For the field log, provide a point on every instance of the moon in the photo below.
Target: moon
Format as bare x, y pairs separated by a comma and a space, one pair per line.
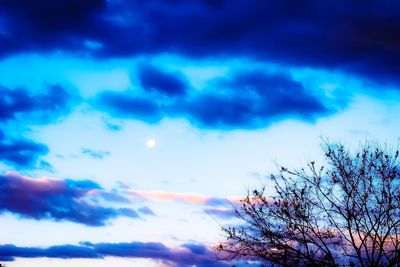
151, 143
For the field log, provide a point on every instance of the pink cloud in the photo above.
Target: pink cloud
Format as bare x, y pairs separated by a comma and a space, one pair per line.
58, 200
187, 198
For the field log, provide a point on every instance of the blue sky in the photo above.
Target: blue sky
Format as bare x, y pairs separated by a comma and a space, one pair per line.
224, 88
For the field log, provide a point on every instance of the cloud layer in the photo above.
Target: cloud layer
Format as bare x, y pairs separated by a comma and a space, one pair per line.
248, 99
186, 255
347, 36
329, 36
59, 200
86, 202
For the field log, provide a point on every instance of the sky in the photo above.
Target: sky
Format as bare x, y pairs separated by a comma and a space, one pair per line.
130, 129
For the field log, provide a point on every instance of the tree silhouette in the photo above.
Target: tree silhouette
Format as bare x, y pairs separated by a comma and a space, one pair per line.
345, 214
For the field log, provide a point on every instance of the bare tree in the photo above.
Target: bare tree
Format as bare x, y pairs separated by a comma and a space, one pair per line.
345, 214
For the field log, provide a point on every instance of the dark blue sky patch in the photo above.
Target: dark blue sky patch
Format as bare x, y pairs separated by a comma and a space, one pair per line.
156, 80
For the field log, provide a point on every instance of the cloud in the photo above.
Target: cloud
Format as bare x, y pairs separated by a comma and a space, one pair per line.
187, 198
253, 99
186, 255
38, 108
48, 15
154, 79
22, 152
47, 25
86, 202
127, 105
112, 125
58, 200
96, 154
329, 35
21, 108
146, 211
248, 99
221, 213
10, 252
219, 207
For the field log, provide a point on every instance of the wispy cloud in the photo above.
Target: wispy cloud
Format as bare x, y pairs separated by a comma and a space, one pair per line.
96, 154
221, 213
187, 198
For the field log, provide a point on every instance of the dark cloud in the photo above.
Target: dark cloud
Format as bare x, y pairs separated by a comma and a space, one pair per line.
58, 200
10, 252
22, 153
246, 100
23, 108
39, 108
128, 105
360, 39
47, 25
186, 255
96, 154
153, 79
